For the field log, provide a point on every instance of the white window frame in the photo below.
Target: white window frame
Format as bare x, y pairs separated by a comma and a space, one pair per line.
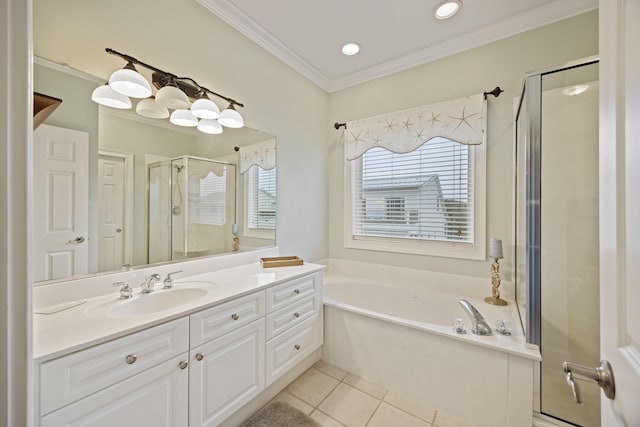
462, 250
252, 232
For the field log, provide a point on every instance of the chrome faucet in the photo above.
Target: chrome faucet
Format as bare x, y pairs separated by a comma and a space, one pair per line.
479, 325
168, 282
149, 281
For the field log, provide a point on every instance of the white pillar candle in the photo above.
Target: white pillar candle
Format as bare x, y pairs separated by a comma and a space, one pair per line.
495, 248
234, 229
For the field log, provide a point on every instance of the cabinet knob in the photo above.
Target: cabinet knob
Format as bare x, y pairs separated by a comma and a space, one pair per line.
297, 346
296, 314
131, 359
235, 316
297, 291
199, 356
183, 364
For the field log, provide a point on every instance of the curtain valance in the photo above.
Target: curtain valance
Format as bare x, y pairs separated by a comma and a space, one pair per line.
262, 154
460, 120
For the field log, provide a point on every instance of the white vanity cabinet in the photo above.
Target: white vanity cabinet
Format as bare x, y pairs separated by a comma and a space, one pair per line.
194, 371
228, 371
121, 382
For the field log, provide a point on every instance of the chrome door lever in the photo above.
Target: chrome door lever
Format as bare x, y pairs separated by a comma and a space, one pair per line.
601, 375
76, 241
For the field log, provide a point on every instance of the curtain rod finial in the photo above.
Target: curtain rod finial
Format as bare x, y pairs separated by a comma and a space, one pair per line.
339, 125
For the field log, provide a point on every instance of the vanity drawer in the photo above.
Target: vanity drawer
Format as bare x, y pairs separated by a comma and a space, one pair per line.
286, 350
295, 290
292, 315
77, 375
217, 321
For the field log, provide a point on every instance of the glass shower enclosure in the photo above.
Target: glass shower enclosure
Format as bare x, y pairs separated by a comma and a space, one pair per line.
191, 208
556, 230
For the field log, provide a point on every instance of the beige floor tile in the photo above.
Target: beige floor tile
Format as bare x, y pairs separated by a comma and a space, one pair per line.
446, 420
330, 370
325, 420
415, 407
312, 386
387, 415
349, 405
289, 398
368, 387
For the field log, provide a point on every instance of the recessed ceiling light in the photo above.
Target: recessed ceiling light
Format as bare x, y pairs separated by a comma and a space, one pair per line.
350, 49
447, 9
575, 90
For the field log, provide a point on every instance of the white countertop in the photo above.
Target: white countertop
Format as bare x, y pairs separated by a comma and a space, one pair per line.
76, 328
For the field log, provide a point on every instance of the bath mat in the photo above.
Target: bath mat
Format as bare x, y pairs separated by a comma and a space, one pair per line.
280, 414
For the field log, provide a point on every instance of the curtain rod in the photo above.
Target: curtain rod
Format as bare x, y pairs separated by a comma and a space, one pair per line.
495, 92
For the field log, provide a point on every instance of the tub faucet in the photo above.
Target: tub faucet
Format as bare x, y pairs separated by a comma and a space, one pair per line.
479, 325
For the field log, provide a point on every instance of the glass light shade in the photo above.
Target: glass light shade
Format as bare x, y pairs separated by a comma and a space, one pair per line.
205, 108
350, 49
148, 107
105, 95
130, 83
447, 9
231, 118
172, 97
184, 118
210, 126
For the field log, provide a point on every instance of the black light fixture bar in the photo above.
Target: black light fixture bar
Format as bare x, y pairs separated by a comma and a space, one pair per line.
135, 61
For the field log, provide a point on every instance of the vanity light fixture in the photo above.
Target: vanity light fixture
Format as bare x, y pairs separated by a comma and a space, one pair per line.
350, 49
447, 9
174, 93
105, 95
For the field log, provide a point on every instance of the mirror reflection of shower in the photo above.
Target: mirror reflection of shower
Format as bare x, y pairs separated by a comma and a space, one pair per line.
191, 208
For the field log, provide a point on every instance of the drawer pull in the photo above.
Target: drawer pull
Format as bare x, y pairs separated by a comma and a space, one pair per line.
296, 314
131, 359
297, 346
199, 356
183, 364
297, 291
235, 316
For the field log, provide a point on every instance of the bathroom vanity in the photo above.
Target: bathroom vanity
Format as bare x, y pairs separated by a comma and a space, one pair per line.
235, 332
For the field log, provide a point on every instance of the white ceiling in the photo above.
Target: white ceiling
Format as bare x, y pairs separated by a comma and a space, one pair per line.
393, 36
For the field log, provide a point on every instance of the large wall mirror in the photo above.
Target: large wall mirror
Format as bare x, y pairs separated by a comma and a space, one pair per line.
113, 189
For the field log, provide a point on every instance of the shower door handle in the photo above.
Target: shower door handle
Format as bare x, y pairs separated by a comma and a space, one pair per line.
601, 375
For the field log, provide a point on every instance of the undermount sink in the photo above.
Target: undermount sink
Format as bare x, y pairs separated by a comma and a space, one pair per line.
154, 302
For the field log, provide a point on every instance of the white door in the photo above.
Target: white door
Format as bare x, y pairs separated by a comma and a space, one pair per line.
620, 206
60, 202
112, 209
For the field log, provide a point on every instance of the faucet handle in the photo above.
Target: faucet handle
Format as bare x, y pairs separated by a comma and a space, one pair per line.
168, 281
126, 291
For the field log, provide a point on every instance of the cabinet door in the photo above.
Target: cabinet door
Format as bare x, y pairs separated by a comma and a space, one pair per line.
155, 398
226, 373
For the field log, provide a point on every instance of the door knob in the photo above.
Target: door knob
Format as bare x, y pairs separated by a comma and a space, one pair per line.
76, 241
601, 375
118, 230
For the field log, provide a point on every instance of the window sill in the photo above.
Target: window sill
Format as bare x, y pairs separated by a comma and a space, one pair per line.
418, 247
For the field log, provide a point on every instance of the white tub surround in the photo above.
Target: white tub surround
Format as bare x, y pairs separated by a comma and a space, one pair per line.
202, 361
398, 334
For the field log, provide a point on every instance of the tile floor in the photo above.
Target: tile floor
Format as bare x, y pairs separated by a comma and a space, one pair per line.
336, 398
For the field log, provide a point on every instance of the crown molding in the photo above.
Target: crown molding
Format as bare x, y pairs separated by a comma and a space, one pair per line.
535, 18
64, 68
233, 16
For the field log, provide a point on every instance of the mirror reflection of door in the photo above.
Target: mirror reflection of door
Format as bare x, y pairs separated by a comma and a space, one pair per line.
114, 208
60, 202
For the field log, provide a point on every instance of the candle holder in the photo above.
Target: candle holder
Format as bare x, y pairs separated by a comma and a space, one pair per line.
495, 284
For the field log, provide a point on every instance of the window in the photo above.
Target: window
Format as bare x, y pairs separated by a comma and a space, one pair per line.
427, 201
207, 199
261, 200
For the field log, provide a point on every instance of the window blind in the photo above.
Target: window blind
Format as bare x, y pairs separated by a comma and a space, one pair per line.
208, 199
261, 198
424, 194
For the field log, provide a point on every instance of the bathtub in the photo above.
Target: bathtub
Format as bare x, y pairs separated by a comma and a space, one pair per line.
400, 336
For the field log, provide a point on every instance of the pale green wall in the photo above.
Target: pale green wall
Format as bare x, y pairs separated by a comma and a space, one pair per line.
500, 63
